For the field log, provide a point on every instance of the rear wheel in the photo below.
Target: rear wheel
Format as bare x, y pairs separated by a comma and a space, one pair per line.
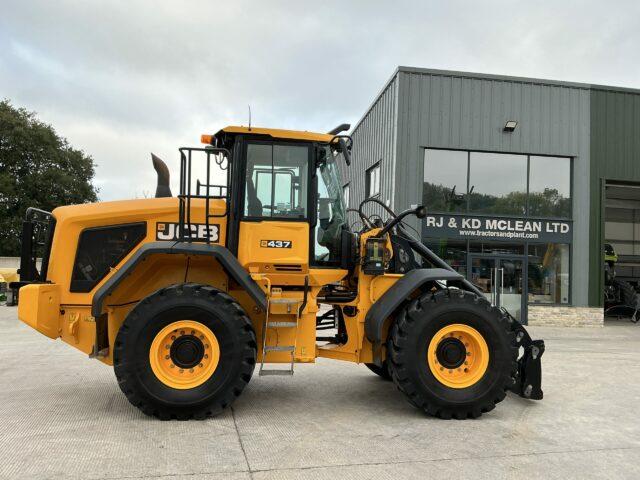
452, 354
186, 351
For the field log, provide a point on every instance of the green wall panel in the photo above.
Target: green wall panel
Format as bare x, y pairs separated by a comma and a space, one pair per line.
615, 155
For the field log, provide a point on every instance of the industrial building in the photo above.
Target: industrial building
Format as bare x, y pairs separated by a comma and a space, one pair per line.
525, 181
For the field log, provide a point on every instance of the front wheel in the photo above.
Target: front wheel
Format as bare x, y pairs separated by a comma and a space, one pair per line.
452, 354
383, 371
186, 351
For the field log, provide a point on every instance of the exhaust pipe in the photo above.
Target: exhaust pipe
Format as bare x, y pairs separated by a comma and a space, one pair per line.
163, 189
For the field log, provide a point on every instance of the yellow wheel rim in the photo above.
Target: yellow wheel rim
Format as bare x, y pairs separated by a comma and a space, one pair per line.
184, 354
458, 356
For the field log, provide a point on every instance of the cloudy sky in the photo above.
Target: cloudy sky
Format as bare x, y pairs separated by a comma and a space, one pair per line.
120, 79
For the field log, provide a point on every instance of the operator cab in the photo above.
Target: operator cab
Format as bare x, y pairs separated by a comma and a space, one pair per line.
286, 196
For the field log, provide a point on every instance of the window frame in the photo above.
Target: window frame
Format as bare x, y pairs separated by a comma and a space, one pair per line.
367, 178
310, 195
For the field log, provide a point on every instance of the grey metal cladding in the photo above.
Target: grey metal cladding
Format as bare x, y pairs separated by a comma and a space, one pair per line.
445, 110
420, 108
456, 110
374, 140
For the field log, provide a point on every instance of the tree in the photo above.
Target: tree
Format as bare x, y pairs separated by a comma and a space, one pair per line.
38, 168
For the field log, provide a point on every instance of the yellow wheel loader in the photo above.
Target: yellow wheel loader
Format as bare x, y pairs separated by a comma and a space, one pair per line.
187, 295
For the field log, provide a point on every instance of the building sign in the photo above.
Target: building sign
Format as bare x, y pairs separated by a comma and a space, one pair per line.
497, 228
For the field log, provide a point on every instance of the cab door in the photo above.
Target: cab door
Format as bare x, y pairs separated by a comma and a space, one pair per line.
274, 223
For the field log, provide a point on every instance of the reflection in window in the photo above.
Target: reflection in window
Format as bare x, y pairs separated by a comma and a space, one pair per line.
498, 183
550, 187
549, 273
331, 211
276, 181
454, 252
445, 180
494, 247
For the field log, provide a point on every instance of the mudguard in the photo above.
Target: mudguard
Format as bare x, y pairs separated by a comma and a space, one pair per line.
230, 264
394, 297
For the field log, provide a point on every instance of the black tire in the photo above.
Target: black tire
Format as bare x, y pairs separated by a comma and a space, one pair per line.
382, 372
409, 338
627, 293
217, 311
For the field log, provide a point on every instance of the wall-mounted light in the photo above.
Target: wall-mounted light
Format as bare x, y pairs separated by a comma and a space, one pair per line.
510, 126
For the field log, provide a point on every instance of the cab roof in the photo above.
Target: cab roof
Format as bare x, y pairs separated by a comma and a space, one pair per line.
274, 133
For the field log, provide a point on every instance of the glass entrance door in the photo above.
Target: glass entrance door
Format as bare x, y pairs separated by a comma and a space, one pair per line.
501, 280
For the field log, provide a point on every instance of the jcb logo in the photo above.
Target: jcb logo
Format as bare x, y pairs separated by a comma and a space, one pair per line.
195, 231
275, 243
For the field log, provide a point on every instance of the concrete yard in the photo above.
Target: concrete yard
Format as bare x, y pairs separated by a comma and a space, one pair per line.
63, 416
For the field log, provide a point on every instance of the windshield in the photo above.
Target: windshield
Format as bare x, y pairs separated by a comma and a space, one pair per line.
331, 210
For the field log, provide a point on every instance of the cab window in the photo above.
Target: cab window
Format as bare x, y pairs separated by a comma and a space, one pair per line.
331, 211
276, 181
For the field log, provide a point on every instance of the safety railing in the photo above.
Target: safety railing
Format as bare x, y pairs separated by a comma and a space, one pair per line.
216, 160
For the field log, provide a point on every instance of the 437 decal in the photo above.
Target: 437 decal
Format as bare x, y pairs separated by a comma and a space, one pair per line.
275, 243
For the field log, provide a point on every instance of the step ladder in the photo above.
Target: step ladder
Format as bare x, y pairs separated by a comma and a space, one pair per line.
293, 306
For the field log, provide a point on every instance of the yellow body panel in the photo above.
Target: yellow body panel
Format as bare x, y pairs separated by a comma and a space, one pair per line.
255, 254
57, 312
39, 307
278, 133
370, 289
71, 220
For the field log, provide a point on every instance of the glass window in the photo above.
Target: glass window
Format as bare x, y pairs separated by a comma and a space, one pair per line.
331, 211
445, 180
276, 181
549, 273
454, 252
373, 181
100, 249
345, 195
498, 183
550, 187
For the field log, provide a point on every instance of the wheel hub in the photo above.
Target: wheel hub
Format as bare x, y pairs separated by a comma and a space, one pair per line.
458, 356
451, 352
187, 351
184, 354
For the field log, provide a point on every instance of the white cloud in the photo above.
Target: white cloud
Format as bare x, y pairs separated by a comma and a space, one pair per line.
122, 78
